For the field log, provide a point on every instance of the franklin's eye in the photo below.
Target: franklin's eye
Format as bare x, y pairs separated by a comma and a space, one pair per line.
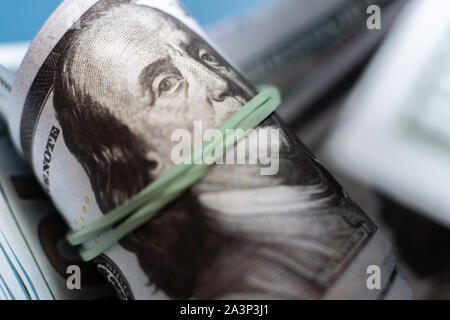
209, 58
167, 85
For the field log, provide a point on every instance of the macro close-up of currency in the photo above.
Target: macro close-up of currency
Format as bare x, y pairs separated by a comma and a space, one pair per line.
224, 150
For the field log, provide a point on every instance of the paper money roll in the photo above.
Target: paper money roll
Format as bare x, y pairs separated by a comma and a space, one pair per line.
94, 109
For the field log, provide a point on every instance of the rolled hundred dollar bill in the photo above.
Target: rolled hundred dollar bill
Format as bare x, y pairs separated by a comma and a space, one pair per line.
94, 109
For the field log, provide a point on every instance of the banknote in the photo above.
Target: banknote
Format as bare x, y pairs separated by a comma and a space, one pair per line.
93, 108
6, 83
317, 44
400, 109
11, 54
33, 252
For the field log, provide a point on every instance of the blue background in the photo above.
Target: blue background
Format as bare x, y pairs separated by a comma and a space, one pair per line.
20, 20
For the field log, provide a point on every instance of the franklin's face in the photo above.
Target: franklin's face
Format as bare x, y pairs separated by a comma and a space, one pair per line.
155, 75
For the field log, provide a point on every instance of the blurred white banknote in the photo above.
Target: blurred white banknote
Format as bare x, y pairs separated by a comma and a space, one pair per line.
394, 132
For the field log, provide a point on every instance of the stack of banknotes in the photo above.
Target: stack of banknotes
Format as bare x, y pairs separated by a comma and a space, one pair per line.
92, 111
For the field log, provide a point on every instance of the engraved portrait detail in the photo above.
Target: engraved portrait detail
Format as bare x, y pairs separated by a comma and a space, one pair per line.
123, 83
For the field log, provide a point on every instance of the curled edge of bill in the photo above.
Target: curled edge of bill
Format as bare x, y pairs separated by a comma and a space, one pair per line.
352, 284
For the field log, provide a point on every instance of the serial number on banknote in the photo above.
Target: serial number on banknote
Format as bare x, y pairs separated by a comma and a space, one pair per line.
226, 310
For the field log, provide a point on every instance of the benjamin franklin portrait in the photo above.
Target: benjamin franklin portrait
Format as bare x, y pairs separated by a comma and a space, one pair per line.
125, 81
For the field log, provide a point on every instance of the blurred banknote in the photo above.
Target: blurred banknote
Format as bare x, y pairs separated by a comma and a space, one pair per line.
11, 54
394, 132
303, 47
93, 108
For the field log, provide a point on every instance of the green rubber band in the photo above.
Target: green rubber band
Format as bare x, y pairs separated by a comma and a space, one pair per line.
149, 201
